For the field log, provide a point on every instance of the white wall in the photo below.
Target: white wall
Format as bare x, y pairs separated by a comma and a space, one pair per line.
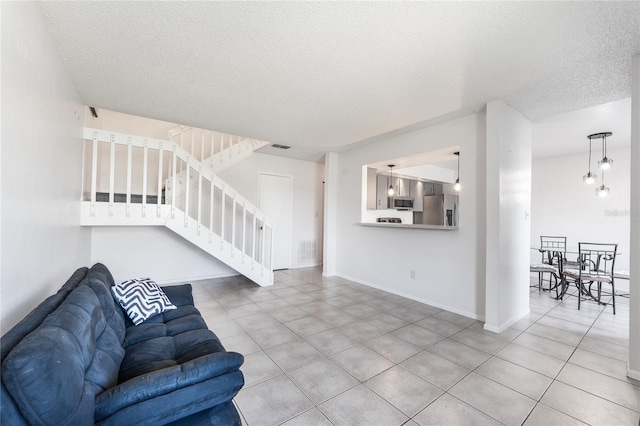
508, 195
42, 243
307, 195
448, 265
562, 205
155, 252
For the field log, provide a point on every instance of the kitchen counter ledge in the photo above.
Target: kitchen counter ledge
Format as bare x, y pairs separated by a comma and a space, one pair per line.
409, 226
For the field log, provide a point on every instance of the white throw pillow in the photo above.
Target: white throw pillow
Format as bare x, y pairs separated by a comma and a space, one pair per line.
141, 298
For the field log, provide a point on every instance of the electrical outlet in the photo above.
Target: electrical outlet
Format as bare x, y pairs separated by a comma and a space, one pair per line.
412, 274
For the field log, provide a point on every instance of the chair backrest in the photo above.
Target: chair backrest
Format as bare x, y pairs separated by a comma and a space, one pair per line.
597, 258
550, 245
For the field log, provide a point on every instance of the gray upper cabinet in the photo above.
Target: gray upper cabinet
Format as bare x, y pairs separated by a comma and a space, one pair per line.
417, 193
431, 188
382, 199
402, 187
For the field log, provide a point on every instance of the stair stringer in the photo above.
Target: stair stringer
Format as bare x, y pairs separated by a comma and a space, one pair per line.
218, 248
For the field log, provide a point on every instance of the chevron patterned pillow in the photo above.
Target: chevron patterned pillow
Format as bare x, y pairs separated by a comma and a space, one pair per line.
141, 298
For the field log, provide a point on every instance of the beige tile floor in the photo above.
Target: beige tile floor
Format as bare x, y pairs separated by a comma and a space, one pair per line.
327, 351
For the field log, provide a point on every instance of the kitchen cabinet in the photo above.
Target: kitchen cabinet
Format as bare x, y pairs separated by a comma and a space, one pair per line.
382, 199
372, 188
417, 193
431, 188
402, 186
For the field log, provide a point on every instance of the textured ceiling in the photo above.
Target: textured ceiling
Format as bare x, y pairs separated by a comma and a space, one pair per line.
329, 74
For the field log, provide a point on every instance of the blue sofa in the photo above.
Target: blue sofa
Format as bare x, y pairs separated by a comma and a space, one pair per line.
78, 359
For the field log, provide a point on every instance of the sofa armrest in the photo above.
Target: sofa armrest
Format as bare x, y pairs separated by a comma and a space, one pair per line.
164, 381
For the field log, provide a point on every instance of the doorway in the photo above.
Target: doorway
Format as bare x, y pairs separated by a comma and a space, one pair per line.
275, 201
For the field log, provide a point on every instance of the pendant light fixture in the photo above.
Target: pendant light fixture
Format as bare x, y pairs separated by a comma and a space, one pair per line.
606, 163
602, 191
589, 178
456, 186
391, 192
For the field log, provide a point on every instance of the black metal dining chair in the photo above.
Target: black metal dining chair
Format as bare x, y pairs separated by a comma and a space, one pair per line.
596, 263
550, 248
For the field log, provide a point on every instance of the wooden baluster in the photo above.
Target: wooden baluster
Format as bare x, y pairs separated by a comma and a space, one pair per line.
211, 189
253, 239
112, 171
186, 192
243, 233
173, 183
94, 173
233, 224
160, 165
128, 194
145, 159
201, 145
199, 198
222, 216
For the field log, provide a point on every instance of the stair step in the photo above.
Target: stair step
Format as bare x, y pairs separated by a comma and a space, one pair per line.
122, 198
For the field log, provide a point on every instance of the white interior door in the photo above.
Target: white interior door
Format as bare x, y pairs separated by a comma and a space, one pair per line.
275, 192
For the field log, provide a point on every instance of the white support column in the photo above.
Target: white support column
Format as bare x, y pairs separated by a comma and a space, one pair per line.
633, 367
330, 214
508, 204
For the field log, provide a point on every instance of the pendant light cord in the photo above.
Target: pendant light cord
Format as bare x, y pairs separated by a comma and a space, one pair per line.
590, 155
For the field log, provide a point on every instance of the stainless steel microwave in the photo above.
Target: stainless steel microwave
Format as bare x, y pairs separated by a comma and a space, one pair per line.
403, 203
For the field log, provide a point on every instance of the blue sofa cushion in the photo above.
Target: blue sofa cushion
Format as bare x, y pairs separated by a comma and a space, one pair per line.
168, 339
54, 373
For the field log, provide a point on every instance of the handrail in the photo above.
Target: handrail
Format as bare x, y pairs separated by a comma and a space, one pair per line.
234, 231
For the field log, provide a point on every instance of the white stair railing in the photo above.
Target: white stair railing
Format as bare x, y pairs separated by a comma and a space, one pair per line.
217, 151
121, 168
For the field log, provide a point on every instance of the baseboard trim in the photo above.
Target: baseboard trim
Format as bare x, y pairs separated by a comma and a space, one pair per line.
412, 297
199, 278
633, 374
507, 324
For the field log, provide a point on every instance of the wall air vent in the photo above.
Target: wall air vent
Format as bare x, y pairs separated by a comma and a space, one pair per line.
275, 145
307, 251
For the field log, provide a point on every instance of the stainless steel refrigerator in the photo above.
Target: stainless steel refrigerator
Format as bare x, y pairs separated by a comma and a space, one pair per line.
440, 209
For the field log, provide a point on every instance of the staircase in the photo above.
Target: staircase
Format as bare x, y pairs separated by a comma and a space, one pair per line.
215, 150
135, 181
